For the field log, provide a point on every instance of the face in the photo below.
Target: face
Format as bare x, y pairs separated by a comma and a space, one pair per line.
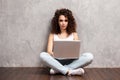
63, 22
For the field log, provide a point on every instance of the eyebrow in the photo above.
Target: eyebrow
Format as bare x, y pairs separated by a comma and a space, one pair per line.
65, 19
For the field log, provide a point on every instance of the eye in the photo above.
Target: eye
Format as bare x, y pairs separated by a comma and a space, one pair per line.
60, 20
66, 20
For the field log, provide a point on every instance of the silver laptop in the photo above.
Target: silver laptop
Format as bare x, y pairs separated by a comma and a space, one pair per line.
66, 49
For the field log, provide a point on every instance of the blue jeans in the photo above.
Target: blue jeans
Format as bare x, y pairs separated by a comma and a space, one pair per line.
63, 65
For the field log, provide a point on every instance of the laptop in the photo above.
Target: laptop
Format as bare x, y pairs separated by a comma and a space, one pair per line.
66, 49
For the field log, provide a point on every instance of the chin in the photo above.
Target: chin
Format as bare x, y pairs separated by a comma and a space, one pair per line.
64, 28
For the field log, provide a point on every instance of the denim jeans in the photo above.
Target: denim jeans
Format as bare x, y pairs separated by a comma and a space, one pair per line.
63, 65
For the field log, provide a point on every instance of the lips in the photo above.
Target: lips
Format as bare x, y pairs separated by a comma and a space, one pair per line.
63, 26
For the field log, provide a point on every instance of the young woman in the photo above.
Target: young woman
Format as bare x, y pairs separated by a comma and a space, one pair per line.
64, 28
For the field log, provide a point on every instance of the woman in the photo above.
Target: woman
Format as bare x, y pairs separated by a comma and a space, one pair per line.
64, 28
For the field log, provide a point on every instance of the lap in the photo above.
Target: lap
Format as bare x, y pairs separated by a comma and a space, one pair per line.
65, 61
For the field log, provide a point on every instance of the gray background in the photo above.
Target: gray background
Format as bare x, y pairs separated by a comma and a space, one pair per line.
25, 25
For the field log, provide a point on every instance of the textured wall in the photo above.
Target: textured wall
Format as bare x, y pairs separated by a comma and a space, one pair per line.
25, 24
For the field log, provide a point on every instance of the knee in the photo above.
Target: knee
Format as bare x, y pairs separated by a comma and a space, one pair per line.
43, 55
89, 56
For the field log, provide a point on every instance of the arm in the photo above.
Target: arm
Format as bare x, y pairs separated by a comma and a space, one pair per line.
75, 36
50, 44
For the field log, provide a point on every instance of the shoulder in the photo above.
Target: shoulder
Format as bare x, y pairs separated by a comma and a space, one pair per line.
51, 35
75, 34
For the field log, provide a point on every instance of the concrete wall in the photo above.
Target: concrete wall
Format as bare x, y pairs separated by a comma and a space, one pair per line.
25, 24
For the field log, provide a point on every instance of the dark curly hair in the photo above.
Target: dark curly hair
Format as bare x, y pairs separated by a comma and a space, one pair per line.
71, 21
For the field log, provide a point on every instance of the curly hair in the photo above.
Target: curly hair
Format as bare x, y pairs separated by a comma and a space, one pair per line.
71, 21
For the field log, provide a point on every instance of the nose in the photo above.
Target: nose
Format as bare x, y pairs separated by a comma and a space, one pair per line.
63, 22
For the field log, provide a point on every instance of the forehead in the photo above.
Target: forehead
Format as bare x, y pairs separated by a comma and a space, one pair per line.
62, 17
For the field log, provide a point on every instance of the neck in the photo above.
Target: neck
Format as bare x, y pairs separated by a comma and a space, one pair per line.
63, 31
63, 34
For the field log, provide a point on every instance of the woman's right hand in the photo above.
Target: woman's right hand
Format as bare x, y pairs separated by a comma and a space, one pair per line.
52, 54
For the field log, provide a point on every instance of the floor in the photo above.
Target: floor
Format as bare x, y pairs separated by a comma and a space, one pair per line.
35, 73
